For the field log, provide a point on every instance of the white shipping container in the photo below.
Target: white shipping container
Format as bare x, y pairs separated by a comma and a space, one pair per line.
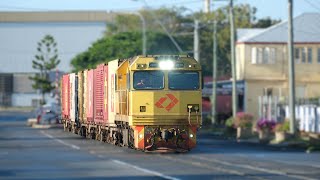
73, 96
112, 69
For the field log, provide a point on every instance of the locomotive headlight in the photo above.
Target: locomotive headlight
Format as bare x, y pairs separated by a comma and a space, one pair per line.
166, 65
191, 135
140, 136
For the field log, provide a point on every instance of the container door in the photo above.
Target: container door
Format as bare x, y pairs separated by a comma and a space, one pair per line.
105, 94
98, 94
90, 105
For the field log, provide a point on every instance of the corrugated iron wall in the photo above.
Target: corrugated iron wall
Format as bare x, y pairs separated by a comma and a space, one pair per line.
6, 89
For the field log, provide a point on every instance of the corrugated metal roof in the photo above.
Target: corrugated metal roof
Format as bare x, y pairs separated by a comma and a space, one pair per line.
244, 34
306, 30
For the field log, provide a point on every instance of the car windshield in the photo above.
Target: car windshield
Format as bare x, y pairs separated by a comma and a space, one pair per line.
183, 80
148, 80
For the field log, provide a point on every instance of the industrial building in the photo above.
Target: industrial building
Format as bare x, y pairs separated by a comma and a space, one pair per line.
74, 32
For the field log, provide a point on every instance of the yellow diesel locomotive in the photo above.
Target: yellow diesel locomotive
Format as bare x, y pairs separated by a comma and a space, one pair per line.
146, 102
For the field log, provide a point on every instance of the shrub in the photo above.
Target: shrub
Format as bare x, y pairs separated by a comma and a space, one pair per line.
264, 124
243, 120
282, 127
230, 122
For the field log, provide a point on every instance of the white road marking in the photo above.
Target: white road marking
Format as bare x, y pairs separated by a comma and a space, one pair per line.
60, 141
255, 168
298, 163
100, 156
144, 170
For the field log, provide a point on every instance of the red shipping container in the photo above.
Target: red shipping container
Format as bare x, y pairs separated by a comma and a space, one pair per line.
90, 102
100, 93
65, 97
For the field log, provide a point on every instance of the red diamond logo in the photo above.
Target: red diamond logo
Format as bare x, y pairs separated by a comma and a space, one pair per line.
173, 102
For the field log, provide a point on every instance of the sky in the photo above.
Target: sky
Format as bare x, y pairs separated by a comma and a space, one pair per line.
276, 9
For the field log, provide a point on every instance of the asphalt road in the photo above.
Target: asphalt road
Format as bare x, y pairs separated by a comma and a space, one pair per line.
27, 153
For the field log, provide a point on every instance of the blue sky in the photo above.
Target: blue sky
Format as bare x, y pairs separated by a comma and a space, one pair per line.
276, 9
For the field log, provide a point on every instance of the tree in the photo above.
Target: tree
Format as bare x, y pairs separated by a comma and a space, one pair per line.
265, 22
179, 24
122, 45
45, 60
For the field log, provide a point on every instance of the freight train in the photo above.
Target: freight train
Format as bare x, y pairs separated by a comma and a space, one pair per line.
149, 103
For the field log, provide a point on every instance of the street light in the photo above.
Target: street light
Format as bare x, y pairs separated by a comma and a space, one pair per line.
144, 37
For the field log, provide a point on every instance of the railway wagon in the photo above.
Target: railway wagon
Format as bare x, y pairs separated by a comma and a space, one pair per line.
145, 102
65, 98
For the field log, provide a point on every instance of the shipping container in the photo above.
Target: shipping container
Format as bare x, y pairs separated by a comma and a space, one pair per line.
85, 96
105, 94
80, 96
112, 69
65, 97
90, 95
73, 97
99, 102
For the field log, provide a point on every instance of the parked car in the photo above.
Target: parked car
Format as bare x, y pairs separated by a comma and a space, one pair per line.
48, 114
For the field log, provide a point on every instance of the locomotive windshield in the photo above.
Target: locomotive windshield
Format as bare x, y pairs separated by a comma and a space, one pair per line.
148, 80
183, 80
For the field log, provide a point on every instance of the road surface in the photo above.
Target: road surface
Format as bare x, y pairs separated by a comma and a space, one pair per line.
27, 153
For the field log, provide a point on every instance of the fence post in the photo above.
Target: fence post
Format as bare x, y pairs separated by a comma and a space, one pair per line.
259, 107
301, 125
306, 118
318, 120
313, 119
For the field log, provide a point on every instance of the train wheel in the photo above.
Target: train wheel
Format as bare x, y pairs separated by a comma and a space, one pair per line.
64, 126
92, 134
87, 133
84, 132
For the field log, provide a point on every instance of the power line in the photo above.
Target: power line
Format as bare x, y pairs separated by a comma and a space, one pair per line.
312, 5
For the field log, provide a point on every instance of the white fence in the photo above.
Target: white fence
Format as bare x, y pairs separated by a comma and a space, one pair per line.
307, 116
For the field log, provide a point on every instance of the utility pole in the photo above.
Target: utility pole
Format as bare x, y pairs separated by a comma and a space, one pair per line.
196, 50
206, 6
291, 70
233, 62
214, 73
144, 37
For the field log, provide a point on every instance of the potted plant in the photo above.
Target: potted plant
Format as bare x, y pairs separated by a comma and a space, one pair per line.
243, 123
281, 130
230, 129
265, 127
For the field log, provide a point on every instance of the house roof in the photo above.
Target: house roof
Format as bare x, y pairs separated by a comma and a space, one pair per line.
306, 30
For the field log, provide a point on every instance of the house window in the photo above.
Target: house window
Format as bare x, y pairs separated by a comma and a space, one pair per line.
259, 55
303, 55
263, 55
266, 52
297, 55
272, 58
309, 55
318, 55
267, 91
254, 55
